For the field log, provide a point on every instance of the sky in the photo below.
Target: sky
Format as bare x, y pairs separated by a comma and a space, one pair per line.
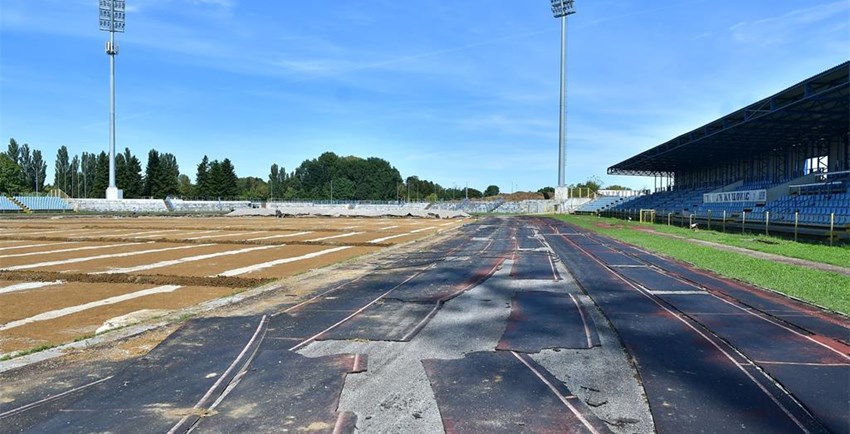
456, 92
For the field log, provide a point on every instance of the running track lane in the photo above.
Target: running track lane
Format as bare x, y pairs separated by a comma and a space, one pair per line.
505, 392
692, 382
815, 371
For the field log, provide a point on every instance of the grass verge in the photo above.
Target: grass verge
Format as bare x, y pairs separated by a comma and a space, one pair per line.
835, 255
830, 290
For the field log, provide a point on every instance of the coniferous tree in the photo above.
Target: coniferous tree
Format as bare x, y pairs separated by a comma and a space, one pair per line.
168, 174
88, 169
120, 168
128, 174
100, 180
25, 161
62, 170
230, 182
274, 184
11, 176
14, 151
151, 186
75, 177
202, 179
39, 170
185, 187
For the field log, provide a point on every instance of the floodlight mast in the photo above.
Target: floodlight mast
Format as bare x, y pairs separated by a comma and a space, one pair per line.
561, 9
112, 20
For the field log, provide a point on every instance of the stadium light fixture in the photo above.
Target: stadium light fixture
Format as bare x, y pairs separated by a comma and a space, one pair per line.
561, 9
112, 21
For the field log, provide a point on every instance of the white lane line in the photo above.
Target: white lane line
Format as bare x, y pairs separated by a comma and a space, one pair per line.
137, 234
388, 227
554, 390
79, 308
764, 362
280, 236
255, 267
169, 263
680, 318
161, 233
35, 245
28, 285
380, 240
660, 292
224, 235
75, 249
357, 312
37, 231
423, 229
583, 321
446, 224
93, 258
347, 234
187, 233
89, 232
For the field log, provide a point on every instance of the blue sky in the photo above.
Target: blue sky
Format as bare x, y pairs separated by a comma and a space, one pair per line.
455, 92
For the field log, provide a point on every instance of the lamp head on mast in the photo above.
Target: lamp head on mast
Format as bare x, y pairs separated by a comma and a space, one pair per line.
562, 8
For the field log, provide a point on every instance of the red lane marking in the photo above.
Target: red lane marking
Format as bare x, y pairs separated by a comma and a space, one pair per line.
24, 408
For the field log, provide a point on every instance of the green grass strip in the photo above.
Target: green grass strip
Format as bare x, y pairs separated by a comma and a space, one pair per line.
823, 288
823, 253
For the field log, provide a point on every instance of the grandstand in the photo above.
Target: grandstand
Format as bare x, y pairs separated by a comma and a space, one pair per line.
7, 205
204, 206
607, 199
43, 203
120, 205
782, 161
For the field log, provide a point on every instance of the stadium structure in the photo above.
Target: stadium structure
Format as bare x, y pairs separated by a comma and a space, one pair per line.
781, 164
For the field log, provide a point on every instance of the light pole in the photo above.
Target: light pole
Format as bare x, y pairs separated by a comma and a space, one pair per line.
112, 20
561, 9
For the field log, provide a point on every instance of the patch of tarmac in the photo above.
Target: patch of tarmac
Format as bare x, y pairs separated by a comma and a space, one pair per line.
395, 395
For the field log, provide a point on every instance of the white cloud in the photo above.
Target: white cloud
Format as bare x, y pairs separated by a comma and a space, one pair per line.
778, 29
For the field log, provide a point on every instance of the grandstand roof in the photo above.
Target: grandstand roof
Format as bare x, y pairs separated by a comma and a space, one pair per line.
815, 109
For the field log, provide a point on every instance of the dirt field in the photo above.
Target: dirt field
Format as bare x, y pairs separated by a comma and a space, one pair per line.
61, 278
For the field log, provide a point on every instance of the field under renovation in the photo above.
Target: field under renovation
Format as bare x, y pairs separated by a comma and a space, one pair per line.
63, 278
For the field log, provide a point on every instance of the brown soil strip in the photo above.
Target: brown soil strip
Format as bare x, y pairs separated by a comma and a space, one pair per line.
269, 242
153, 279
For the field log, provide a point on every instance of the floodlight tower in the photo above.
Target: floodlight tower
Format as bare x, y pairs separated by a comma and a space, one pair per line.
112, 20
561, 9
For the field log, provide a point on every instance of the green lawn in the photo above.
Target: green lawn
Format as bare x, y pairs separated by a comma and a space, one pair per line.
830, 290
822, 253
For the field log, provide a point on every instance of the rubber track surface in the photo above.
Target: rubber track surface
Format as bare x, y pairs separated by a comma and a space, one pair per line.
541, 320
689, 381
159, 389
286, 390
817, 374
497, 393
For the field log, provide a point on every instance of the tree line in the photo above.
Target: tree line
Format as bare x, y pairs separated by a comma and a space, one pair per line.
327, 177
